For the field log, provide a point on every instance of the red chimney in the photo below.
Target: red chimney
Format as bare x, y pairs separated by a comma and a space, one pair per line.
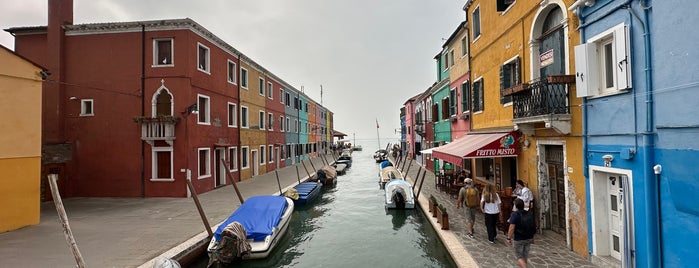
60, 13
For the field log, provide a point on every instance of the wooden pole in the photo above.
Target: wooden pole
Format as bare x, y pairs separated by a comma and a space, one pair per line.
298, 175
314, 167
417, 177
278, 183
304, 167
409, 165
196, 202
230, 177
422, 182
64, 221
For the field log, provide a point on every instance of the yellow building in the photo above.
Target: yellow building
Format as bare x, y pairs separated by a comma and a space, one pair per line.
253, 131
522, 79
20, 145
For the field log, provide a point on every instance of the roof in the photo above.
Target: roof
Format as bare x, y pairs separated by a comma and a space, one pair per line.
338, 134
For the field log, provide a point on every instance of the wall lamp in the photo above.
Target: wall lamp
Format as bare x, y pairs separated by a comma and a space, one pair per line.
608, 158
191, 109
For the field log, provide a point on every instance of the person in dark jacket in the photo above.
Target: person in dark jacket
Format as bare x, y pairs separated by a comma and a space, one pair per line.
522, 229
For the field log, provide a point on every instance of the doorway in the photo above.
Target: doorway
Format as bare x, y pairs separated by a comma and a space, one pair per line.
556, 181
220, 169
611, 213
255, 163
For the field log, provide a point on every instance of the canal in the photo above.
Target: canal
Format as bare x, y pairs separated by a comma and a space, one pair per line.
347, 226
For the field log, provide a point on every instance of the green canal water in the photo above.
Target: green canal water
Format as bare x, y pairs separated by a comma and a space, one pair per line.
347, 226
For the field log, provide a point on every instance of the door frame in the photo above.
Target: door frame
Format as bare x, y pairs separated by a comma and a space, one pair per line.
255, 162
219, 170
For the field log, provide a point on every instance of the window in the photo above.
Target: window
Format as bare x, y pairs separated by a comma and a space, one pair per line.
203, 58
478, 98
509, 77
451, 58
464, 46
476, 23
244, 157
465, 97
203, 108
261, 120
603, 63
244, 117
204, 163
271, 154
270, 121
244, 78
296, 126
263, 155
296, 103
281, 123
452, 102
445, 60
269, 90
503, 5
445, 108
262, 86
233, 156
281, 95
162, 52
162, 164
86, 107
286, 99
232, 71
288, 120
232, 115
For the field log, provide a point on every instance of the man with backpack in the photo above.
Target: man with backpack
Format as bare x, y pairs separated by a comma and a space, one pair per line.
522, 230
468, 197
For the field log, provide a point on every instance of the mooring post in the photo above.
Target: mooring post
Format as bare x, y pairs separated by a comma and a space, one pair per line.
235, 186
422, 182
306, 169
298, 175
417, 177
278, 183
64, 221
196, 202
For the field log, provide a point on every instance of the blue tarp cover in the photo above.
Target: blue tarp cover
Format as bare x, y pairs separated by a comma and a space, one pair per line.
258, 214
386, 163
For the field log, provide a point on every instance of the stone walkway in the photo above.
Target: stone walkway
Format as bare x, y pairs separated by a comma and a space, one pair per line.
548, 250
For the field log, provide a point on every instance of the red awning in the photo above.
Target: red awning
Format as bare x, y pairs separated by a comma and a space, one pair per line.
478, 146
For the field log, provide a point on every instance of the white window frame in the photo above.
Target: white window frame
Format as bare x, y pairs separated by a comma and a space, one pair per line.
83, 107
464, 46
206, 67
270, 121
262, 86
263, 155
244, 78
589, 64
473, 95
518, 69
232, 114
270, 152
261, 119
233, 156
474, 24
156, 52
244, 117
245, 157
270, 88
281, 123
207, 172
281, 95
154, 164
232, 70
204, 112
288, 121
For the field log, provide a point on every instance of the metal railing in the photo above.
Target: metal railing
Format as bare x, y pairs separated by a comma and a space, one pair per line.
540, 98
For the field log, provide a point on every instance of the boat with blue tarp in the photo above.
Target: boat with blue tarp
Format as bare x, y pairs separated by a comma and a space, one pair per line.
307, 191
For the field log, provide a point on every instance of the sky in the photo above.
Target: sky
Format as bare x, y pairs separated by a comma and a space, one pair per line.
369, 56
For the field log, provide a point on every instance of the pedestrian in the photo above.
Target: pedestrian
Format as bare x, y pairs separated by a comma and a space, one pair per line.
468, 197
522, 192
490, 205
522, 230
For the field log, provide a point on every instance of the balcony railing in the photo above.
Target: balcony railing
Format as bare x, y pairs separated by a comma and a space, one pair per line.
157, 128
540, 97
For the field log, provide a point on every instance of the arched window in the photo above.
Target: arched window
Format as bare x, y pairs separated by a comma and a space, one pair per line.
162, 102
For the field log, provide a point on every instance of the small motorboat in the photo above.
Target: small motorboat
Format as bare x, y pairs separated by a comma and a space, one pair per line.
341, 169
326, 175
388, 173
399, 195
345, 158
304, 192
380, 155
252, 231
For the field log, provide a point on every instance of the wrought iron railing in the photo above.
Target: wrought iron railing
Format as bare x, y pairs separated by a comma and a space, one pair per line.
540, 97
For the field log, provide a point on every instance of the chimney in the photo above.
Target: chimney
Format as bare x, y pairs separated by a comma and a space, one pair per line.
60, 13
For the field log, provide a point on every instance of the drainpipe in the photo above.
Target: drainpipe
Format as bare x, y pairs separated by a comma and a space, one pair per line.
240, 119
143, 107
652, 180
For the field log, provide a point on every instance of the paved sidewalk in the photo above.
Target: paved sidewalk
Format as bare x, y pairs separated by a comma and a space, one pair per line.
128, 232
548, 251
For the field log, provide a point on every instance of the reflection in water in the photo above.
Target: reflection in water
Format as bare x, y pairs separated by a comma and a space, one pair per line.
348, 226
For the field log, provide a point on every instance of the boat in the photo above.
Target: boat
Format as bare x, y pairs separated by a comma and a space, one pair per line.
399, 194
357, 148
345, 158
326, 175
304, 192
263, 220
387, 174
380, 155
341, 169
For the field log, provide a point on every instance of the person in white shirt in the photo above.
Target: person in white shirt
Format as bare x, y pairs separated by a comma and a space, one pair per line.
490, 205
522, 192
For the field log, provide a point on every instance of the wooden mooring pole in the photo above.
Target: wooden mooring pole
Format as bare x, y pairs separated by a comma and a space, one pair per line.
230, 177
278, 183
421, 183
64, 221
306, 169
196, 202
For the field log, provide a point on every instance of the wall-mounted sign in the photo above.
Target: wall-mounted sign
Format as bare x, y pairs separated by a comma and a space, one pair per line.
546, 58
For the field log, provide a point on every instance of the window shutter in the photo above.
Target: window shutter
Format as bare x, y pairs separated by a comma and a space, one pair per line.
435, 112
623, 61
585, 79
517, 72
503, 83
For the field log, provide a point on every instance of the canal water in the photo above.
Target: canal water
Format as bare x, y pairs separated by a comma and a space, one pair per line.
347, 226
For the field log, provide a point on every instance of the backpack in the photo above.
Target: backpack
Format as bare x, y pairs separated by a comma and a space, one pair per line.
471, 199
528, 226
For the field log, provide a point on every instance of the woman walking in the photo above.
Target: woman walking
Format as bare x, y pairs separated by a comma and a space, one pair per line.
490, 205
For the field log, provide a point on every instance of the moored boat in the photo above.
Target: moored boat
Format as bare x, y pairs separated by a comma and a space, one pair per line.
262, 220
388, 173
326, 175
305, 192
380, 155
399, 195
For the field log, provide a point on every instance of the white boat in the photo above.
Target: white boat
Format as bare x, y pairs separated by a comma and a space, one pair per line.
399, 194
388, 173
263, 220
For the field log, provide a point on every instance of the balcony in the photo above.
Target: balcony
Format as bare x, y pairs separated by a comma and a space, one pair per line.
160, 128
542, 102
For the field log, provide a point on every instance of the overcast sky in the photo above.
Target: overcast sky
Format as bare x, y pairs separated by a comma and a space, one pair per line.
370, 56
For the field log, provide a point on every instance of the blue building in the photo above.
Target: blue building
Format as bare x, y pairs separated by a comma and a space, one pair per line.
636, 72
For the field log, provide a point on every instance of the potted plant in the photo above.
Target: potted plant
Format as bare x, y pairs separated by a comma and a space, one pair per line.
443, 217
432, 203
